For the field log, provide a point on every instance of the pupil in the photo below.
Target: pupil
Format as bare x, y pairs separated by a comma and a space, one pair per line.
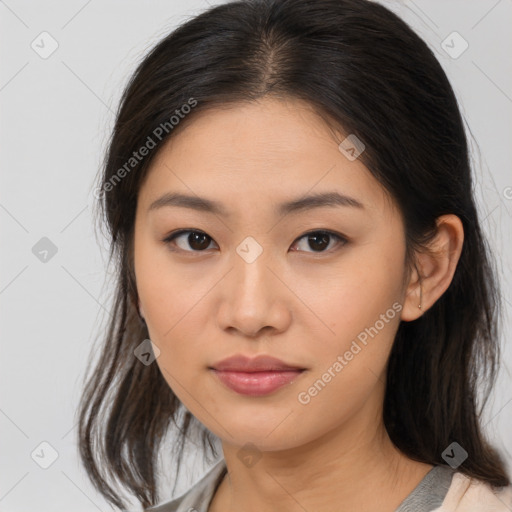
324, 240
193, 237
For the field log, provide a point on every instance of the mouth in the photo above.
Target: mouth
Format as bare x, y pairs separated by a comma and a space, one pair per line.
257, 376
256, 383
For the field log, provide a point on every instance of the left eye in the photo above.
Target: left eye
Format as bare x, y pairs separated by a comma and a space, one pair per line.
200, 241
319, 240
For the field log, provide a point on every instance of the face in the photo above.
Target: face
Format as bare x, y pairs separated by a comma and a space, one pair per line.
318, 285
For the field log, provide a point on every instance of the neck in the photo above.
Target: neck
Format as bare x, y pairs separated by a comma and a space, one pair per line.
335, 469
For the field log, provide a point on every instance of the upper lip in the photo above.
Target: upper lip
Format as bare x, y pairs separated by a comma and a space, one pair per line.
260, 363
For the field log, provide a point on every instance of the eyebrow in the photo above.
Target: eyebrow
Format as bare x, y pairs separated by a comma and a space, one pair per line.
202, 204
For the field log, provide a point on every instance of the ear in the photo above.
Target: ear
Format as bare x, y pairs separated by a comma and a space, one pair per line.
434, 268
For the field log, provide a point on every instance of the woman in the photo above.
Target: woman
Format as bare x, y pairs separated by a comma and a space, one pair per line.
301, 270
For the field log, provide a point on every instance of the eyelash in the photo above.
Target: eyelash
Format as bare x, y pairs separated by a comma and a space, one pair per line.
170, 238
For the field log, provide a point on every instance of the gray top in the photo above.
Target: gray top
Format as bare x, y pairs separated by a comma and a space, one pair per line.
426, 496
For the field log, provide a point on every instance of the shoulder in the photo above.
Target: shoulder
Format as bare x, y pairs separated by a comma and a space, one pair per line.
471, 495
168, 506
198, 497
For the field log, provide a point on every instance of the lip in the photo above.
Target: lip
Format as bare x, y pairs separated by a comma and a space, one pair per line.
256, 383
262, 363
257, 376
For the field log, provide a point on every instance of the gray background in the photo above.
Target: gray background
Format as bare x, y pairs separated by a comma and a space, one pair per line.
56, 116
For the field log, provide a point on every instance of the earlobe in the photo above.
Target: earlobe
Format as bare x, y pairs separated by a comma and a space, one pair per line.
413, 304
435, 268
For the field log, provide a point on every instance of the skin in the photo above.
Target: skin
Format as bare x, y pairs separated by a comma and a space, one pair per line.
301, 305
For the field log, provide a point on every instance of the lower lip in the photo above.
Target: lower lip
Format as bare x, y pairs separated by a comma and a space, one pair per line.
256, 383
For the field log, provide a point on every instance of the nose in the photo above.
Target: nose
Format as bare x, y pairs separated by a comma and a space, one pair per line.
254, 300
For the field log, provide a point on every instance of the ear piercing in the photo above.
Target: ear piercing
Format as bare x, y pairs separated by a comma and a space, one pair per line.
419, 305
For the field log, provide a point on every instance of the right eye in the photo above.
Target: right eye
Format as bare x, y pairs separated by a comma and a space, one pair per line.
197, 240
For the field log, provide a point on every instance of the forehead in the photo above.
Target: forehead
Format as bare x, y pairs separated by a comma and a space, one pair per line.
256, 153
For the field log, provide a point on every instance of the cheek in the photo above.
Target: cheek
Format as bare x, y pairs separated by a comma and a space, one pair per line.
346, 297
175, 304
360, 305
158, 289
174, 326
160, 285
173, 309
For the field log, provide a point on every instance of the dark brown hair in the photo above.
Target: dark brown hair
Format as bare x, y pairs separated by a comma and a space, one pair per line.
365, 71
